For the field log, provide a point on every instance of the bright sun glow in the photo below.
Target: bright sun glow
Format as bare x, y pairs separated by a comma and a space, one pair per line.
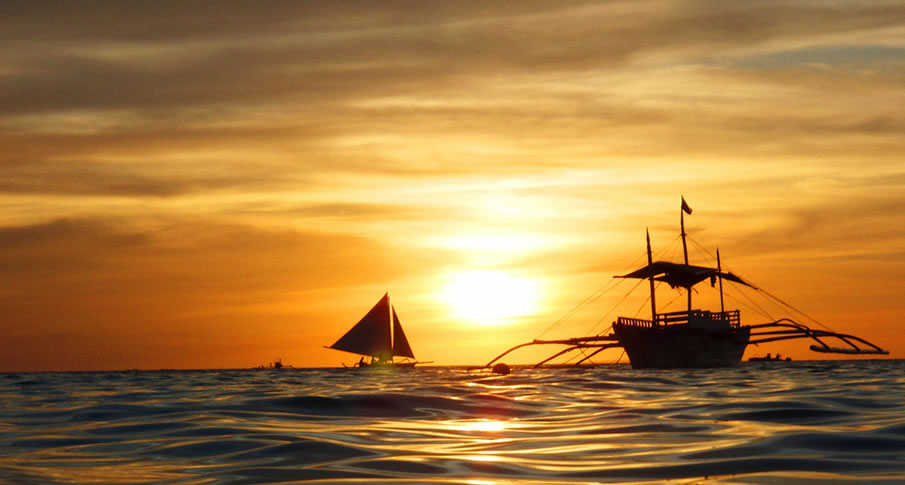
487, 297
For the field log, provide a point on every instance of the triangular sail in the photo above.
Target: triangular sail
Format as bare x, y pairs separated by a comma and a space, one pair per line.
401, 345
371, 335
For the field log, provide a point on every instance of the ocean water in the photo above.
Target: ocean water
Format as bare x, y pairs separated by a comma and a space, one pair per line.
789, 422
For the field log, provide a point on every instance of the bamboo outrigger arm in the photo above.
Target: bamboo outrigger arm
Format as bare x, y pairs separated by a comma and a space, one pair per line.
783, 329
787, 329
598, 342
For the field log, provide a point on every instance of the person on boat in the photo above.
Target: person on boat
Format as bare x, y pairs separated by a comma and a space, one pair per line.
361, 362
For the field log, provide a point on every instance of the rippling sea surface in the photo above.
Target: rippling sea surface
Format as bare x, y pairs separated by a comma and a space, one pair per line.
779, 422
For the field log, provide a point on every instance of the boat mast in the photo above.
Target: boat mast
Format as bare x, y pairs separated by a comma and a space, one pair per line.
684, 244
719, 274
653, 299
390, 323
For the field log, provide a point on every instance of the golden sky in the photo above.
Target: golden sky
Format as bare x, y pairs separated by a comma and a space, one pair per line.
214, 185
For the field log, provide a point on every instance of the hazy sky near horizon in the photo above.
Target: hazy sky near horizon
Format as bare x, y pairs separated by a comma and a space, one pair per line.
218, 184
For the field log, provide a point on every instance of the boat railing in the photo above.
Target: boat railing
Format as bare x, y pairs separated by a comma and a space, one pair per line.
732, 318
634, 322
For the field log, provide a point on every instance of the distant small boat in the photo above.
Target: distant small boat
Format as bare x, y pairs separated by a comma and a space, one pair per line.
769, 358
277, 364
378, 335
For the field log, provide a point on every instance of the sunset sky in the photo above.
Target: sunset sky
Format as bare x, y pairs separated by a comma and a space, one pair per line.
208, 185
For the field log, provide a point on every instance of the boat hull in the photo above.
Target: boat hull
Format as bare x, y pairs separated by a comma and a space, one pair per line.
682, 346
387, 365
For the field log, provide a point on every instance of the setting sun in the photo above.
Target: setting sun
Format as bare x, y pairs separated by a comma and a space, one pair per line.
487, 297
176, 194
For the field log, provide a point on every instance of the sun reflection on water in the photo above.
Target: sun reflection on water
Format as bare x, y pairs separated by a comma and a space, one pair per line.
483, 425
455, 426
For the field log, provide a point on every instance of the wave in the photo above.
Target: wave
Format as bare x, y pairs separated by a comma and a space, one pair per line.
805, 422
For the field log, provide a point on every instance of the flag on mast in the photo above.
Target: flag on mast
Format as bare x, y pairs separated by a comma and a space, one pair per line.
685, 207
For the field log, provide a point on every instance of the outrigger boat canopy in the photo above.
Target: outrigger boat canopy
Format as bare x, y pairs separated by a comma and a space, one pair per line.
682, 275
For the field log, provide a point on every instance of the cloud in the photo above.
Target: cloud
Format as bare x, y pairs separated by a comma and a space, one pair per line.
68, 260
129, 281
169, 162
855, 228
355, 51
430, 76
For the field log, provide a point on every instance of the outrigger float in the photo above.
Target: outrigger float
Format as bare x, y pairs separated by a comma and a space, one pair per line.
694, 338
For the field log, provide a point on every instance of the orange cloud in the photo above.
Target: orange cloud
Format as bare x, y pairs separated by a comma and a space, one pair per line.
203, 188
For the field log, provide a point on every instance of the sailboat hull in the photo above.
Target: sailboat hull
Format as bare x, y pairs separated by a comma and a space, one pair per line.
387, 365
682, 346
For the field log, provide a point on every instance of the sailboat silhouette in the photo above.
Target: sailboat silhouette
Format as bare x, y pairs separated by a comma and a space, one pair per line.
376, 337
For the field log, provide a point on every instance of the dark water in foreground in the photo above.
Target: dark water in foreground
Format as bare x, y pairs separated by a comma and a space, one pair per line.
799, 422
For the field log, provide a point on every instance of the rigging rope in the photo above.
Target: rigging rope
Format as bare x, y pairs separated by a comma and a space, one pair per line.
753, 306
701, 248
587, 301
794, 309
680, 295
600, 292
624, 297
766, 293
611, 285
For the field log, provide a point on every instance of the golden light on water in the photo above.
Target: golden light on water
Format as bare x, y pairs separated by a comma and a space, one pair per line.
482, 425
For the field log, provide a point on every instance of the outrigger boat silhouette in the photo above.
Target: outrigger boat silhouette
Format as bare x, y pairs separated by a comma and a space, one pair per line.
694, 338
